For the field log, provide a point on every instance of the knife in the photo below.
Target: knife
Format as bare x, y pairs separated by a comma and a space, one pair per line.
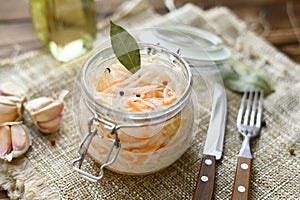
213, 146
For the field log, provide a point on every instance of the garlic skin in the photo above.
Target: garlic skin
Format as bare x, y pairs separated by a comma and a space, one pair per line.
10, 108
46, 113
14, 140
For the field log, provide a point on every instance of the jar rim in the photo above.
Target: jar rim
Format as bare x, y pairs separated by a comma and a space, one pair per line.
168, 111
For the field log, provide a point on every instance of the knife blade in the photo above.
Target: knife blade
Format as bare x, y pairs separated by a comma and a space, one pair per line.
213, 146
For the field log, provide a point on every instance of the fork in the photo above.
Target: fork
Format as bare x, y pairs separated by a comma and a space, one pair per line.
249, 125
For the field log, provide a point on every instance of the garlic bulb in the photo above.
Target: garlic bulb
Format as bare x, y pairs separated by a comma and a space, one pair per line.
14, 140
46, 112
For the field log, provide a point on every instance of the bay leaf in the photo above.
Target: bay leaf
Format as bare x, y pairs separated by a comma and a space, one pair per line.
125, 47
242, 77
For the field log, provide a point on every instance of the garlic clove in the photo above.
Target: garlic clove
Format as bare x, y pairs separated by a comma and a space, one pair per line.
19, 137
8, 100
38, 103
5, 141
8, 117
50, 126
20, 141
8, 108
49, 112
9, 111
46, 112
12, 89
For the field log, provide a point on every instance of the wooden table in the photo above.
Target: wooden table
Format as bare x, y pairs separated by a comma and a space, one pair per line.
272, 19
276, 20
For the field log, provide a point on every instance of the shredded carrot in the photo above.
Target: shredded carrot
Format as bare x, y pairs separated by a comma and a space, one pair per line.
143, 96
134, 106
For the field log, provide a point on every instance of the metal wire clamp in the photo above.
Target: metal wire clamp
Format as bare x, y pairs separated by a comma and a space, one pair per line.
93, 127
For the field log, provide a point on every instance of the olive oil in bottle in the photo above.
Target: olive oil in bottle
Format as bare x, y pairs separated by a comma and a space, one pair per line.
66, 27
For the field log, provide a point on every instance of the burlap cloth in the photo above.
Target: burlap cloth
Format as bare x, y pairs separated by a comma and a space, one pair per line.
45, 171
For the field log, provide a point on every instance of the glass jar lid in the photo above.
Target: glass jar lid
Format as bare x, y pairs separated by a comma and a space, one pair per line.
195, 44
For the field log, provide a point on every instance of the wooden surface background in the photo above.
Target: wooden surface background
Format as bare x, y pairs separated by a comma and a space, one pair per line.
276, 20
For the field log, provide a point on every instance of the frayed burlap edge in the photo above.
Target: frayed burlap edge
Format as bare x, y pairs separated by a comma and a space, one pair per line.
20, 180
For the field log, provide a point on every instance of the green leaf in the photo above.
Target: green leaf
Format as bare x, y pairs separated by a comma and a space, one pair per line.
125, 47
243, 77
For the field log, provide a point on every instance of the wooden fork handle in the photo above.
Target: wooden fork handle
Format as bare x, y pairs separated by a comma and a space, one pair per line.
206, 179
241, 186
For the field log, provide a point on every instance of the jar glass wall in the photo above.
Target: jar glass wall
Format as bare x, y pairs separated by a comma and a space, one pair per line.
149, 140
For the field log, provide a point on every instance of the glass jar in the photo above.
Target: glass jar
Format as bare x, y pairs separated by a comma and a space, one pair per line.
66, 27
133, 142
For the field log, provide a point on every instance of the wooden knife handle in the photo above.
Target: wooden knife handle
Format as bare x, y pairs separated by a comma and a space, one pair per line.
241, 186
205, 186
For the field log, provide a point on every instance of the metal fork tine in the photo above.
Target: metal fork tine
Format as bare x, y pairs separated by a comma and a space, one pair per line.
254, 108
241, 110
247, 113
259, 109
